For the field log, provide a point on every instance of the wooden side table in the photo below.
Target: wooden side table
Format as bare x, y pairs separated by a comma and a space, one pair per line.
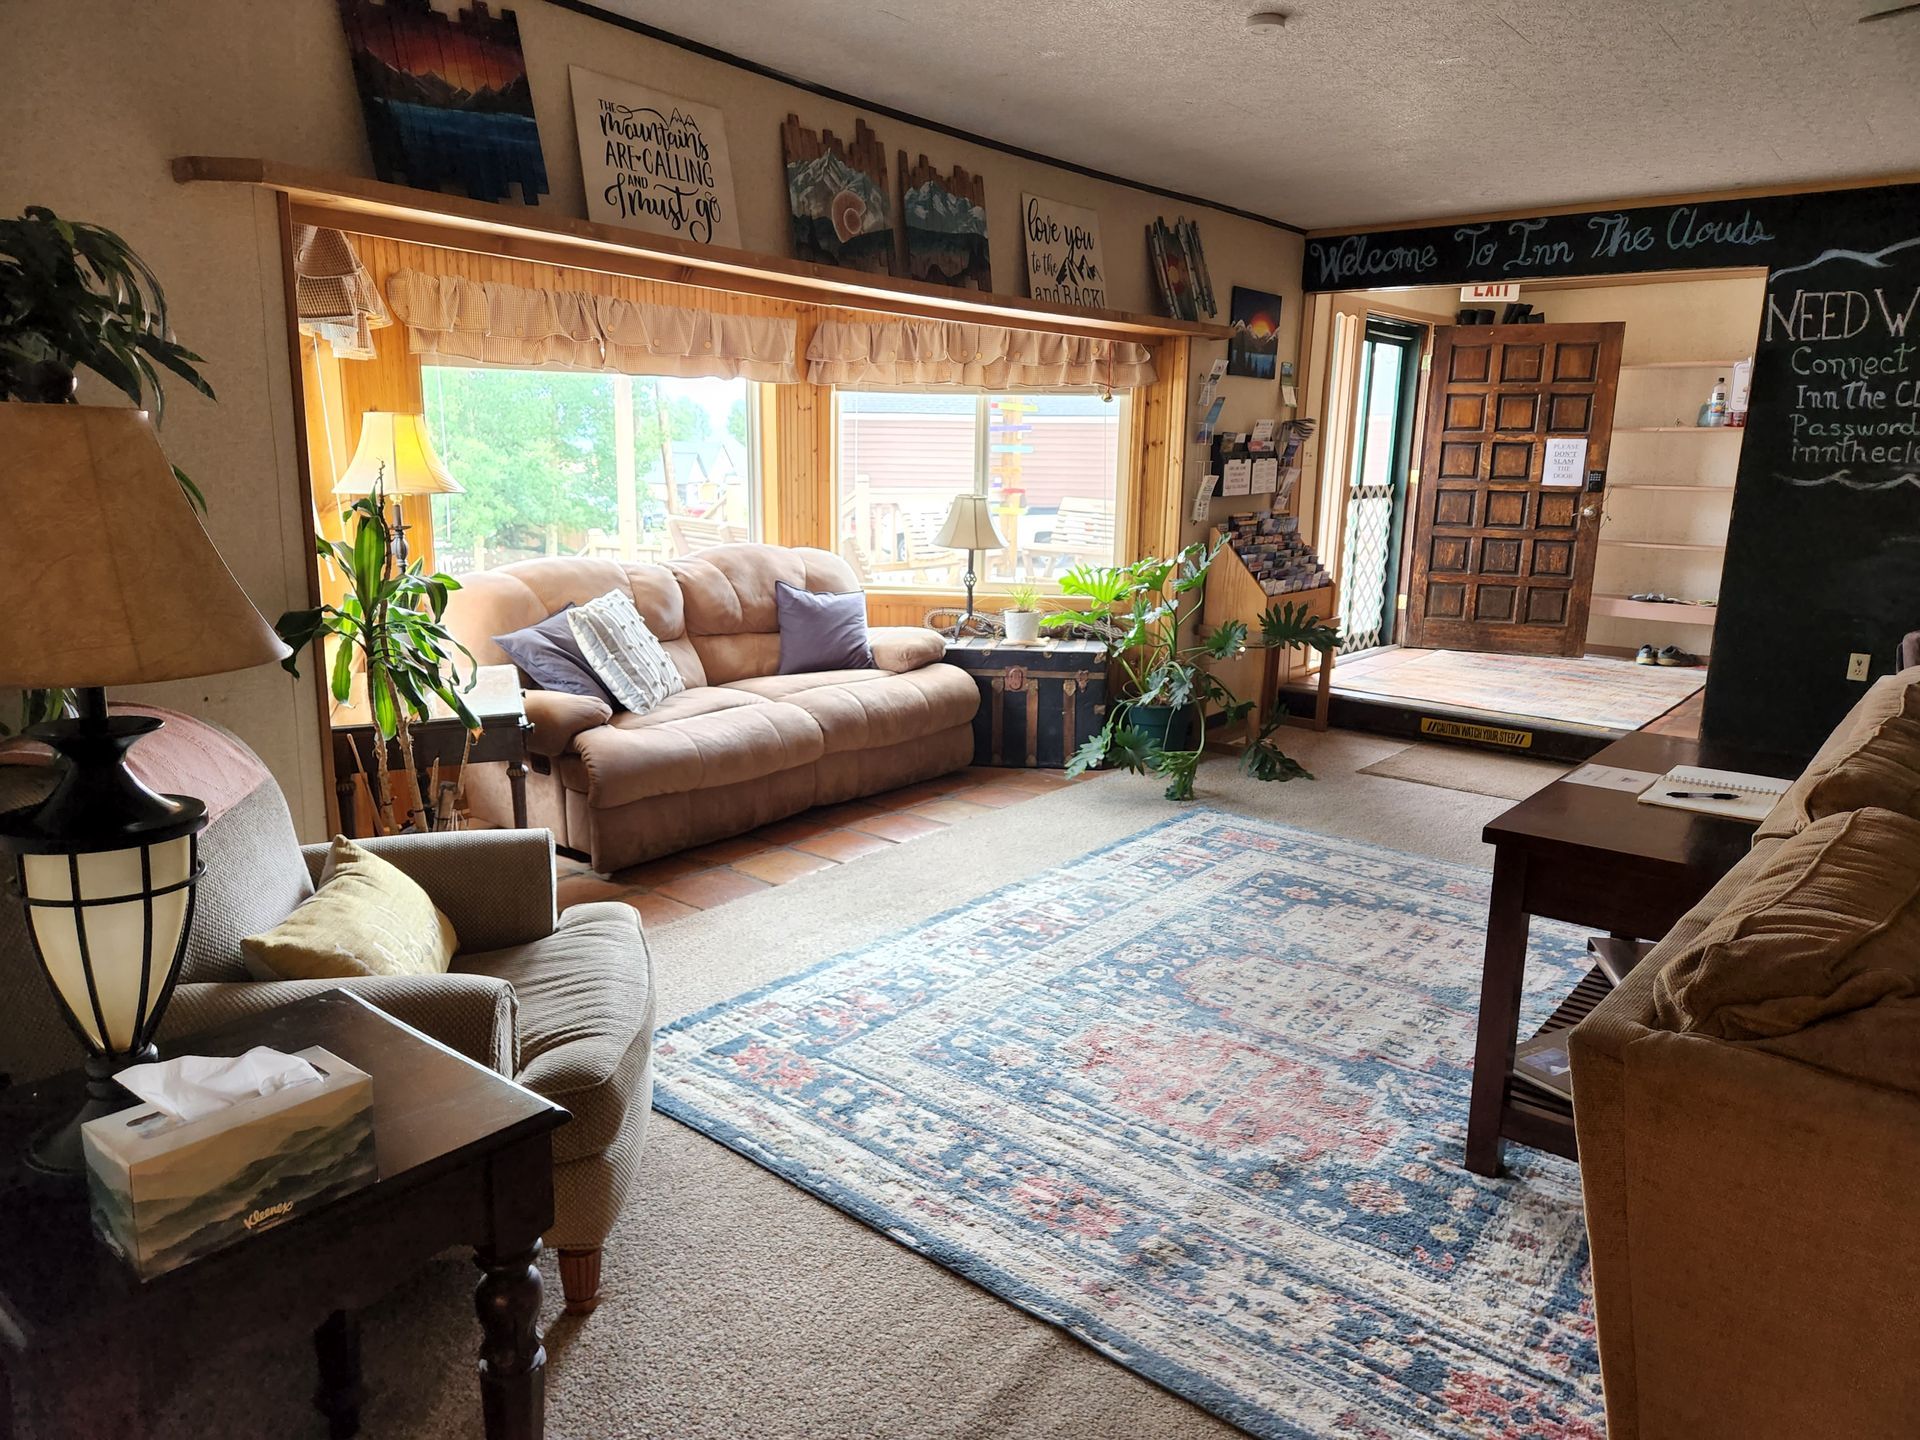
1601, 859
502, 711
466, 1158
1038, 702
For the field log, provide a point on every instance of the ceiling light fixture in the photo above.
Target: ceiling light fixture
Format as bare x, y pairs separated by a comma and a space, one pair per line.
1267, 19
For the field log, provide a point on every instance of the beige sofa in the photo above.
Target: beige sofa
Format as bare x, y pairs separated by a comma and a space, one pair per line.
744, 745
1748, 1110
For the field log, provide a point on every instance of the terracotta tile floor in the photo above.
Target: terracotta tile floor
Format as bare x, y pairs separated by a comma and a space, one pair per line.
676, 886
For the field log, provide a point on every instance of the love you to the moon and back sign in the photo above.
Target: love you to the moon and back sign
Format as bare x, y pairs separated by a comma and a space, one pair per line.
654, 161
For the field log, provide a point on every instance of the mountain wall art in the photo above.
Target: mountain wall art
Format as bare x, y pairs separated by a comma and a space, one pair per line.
838, 195
1255, 347
946, 222
445, 98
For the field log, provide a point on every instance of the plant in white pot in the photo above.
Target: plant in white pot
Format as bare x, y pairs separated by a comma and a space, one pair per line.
1022, 615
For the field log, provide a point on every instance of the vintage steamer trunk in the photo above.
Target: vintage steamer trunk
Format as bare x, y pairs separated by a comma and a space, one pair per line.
1038, 703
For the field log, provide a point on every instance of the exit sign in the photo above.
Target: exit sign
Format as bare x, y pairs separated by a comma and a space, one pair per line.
1489, 292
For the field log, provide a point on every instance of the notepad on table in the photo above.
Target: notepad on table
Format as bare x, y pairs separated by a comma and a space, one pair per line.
1732, 793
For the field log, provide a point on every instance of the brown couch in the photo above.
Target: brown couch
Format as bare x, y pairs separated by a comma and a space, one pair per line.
743, 745
1748, 1110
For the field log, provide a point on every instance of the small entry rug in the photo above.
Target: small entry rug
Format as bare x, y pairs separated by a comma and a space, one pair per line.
1455, 767
1590, 690
1199, 1097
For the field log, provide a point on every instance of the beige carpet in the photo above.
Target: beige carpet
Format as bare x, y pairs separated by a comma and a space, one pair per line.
1476, 772
737, 1306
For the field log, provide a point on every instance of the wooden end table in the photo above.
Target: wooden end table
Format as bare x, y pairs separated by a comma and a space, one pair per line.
1596, 858
466, 1158
495, 700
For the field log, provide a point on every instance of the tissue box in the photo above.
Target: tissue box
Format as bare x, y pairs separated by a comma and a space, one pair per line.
165, 1191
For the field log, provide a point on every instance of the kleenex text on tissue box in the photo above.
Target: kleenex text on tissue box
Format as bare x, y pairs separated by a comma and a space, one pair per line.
166, 1189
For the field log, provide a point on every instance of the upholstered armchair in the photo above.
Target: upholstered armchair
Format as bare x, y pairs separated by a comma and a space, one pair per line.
561, 1003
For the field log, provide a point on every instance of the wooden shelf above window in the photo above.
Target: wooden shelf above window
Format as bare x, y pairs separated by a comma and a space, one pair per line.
532, 233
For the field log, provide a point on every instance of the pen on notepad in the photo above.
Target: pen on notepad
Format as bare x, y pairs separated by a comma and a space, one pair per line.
1700, 795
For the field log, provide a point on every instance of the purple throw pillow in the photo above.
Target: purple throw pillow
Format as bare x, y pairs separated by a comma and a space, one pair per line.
549, 656
821, 631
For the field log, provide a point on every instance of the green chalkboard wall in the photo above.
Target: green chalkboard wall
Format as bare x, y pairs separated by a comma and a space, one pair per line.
1823, 549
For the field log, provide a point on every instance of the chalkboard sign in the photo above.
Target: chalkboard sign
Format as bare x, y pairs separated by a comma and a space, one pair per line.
1823, 549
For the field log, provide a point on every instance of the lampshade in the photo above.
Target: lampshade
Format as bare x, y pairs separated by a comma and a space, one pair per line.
396, 457
106, 577
969, 526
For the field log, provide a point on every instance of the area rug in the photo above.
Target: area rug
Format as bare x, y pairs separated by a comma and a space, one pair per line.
1586, 690
1476, 772
1198, 1097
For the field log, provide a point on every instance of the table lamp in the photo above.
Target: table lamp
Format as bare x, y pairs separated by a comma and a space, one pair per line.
395, 457
969, 526
106, 578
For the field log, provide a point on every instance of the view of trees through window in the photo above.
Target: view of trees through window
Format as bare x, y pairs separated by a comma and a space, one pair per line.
1048, 464
560, 463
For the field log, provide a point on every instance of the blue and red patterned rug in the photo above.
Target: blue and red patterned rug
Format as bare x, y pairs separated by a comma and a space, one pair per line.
1200, 1098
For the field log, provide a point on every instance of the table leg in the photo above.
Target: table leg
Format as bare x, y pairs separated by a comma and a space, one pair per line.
517, 788
336, 1345
513, 1362
1501, 976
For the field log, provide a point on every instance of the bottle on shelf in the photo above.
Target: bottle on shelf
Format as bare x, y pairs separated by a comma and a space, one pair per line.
1714, 412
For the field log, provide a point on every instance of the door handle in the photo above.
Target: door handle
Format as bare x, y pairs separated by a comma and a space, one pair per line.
1589, 511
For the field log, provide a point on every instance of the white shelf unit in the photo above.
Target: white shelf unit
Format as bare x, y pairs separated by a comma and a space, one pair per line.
1669, 493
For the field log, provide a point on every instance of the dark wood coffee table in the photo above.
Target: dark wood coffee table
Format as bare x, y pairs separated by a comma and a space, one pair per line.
466, 1158
1596, 858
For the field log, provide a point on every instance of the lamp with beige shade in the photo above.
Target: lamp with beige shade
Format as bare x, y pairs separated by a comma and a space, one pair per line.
969, 526
395, 457
106, 578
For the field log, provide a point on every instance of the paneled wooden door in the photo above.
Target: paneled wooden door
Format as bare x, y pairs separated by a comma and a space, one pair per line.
1502, 560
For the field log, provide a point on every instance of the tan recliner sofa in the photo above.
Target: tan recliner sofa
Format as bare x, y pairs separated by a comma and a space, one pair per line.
743, 745
1752, 1175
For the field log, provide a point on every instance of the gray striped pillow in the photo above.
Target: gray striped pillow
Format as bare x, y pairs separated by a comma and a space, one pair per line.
620, 649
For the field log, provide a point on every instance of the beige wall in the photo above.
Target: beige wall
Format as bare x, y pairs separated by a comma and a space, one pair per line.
100, 95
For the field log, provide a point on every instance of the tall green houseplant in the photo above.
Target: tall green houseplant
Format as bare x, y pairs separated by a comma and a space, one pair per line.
391, 624
1158, 724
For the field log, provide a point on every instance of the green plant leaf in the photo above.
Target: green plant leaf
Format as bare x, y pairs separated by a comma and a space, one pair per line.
1092, 751
1225, 640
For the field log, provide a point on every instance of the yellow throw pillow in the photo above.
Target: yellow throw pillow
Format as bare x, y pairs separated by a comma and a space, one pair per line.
368, 917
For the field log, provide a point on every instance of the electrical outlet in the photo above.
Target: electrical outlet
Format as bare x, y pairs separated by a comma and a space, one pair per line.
1857, 665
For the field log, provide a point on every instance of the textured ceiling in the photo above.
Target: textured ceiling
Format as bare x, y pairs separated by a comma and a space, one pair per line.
1363, 111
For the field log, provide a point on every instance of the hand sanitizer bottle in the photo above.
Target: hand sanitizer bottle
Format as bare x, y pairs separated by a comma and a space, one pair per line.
1717, 403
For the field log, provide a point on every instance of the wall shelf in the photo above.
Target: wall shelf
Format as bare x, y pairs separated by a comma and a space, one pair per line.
542, 234
1663, 545
1679, 429
1626, 608
1682, 365
1675, 489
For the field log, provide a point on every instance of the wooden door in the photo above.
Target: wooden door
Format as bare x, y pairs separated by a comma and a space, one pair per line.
1502, 559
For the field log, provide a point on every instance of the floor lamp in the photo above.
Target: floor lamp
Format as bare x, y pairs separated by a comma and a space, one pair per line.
106, 578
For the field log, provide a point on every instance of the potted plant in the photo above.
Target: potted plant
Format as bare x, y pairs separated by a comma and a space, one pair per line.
1022, 615
390, 627
75, 296
1158, 723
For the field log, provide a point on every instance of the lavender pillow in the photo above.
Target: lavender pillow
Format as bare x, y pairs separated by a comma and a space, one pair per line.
821, 631
549, 656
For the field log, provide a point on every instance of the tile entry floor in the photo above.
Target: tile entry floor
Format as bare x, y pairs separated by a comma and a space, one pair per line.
674, 886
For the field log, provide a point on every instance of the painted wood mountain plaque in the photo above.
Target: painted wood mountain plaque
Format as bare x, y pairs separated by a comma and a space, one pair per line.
838, 195
946, 223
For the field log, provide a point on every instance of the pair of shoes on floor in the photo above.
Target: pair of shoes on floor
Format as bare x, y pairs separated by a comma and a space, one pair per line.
1666, 655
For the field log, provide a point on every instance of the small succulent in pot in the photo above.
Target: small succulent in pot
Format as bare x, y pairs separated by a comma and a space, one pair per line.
1022, 615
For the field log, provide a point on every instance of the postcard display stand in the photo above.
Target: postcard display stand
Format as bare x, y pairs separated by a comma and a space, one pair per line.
1289, 573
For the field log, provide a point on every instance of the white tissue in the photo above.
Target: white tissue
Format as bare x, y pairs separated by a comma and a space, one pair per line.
189, 1087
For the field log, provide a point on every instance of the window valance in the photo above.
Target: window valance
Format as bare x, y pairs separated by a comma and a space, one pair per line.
876, 354
334, 296
500, 324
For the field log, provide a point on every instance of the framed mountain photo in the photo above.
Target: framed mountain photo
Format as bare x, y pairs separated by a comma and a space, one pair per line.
1254, 349
946, 219
837, 193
